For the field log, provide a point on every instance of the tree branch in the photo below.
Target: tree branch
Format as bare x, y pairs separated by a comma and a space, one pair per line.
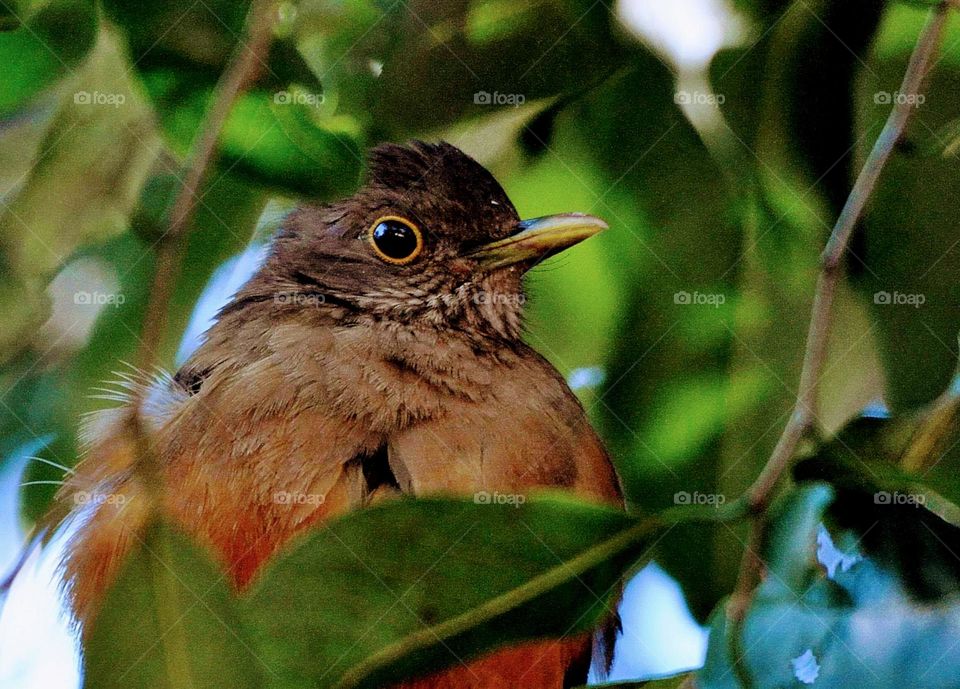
804, 416
243, 68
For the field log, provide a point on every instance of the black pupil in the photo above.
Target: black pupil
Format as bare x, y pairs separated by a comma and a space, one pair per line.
395, 239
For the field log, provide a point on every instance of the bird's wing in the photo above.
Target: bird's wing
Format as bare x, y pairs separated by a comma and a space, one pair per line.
530, 432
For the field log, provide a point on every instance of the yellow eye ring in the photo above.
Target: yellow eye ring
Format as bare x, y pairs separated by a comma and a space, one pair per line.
395, 240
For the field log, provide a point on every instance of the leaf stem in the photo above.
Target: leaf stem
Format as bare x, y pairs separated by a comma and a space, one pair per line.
805, 413
503, 603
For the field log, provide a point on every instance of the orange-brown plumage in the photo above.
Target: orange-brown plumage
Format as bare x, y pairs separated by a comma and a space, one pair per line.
337, 373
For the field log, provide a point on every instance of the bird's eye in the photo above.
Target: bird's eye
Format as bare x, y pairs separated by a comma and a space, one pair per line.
396, 240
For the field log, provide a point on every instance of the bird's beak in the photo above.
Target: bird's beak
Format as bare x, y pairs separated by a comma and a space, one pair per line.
538, 238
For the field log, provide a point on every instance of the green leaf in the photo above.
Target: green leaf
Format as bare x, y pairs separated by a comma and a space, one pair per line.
201, 33
414, 585
284, 146
544, 49
169, 622
92, 163
805, 126
897, 479
937, 491
288, 147
196, 40
51, 43
278, 135
374, 56
910, 455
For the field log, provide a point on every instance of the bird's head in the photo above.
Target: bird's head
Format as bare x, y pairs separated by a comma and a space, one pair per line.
431, 239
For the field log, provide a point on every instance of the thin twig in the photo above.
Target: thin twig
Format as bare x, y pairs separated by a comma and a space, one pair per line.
804, 416
242, 69
244, 65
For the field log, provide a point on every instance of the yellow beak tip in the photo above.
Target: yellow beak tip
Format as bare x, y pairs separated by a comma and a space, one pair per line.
539, 238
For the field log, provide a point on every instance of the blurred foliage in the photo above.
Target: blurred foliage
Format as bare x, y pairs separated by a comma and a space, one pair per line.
909, 248
44, 47
686, 320
850, 626
884, 470
171, 638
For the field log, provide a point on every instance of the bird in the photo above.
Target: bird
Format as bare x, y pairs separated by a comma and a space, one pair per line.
378, 351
